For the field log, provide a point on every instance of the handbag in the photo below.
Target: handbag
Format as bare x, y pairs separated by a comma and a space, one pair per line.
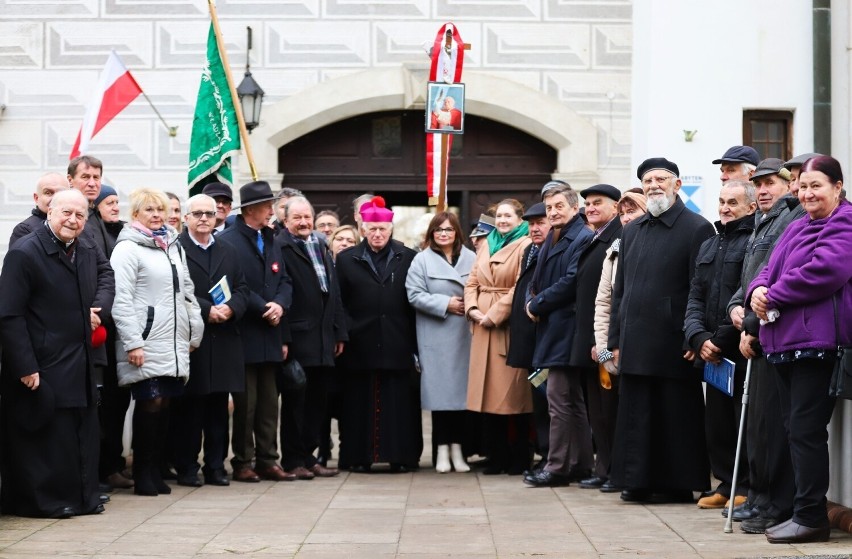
290, 375
841, 377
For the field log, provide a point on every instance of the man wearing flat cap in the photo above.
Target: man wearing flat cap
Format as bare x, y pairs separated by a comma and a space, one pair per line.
602, 214
224, 197
795, 166
522, 329
659, 453
738, 163
264, 334
771, 486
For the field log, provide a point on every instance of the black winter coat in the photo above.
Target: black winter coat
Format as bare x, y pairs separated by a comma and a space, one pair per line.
217, 365
44, 314
35, 219
316, 319
521, 328
655, 268
268, 281
556, 304
379, 317
589, 271
717, 277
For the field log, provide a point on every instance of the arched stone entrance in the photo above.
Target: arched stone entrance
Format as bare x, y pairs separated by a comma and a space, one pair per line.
398, 89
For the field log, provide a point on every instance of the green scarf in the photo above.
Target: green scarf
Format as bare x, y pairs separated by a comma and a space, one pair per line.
496, 241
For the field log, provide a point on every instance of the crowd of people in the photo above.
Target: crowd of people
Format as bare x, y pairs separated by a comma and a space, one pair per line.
576, 332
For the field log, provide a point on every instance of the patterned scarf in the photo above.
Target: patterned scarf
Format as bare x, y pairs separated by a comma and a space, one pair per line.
312, 248
160, 236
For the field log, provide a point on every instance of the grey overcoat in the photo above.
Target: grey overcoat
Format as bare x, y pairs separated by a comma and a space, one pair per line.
443, 340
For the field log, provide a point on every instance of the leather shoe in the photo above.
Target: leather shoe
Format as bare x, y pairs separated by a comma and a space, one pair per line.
714, 501
300, 472
610, 487
188, 480
758, 525
217, 477
64, 512
275, 473
320, 470
635, 495
545, 478
792, 532
97, 510
360, 468
746, 511
396, 468
246, 474
594, 482
103, 499
118, 481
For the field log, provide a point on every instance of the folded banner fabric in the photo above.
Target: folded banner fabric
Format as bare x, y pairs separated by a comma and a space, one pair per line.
116, 90
446, 67
215, 131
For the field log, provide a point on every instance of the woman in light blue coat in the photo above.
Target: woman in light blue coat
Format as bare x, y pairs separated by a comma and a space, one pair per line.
435, 286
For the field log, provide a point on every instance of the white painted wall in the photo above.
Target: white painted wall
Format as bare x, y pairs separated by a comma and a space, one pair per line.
697, 65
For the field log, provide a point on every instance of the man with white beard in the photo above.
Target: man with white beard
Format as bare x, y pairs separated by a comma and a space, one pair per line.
659, 453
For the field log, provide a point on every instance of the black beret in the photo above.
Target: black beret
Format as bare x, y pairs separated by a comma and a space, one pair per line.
657, 163
604, 190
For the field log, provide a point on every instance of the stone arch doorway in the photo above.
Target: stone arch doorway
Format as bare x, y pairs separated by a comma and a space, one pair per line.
384, 153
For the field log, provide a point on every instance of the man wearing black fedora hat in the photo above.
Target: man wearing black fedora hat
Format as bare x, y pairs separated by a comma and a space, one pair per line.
264, 333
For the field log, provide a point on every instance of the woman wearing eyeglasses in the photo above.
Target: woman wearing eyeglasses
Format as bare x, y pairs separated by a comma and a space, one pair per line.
435, 286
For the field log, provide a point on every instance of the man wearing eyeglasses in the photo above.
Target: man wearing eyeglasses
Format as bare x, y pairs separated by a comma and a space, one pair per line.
216, 367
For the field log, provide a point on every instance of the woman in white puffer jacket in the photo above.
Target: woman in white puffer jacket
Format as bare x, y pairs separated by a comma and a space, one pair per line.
158, 321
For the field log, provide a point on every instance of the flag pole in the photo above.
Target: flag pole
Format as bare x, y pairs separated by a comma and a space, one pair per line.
237, 108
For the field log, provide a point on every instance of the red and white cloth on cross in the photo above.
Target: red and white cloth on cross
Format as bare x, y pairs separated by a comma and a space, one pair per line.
447, 61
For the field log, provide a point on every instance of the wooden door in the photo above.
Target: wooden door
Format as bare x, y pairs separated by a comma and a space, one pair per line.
384, 153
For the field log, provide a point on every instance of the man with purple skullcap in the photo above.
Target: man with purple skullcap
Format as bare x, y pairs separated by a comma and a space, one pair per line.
381, 418
659, 453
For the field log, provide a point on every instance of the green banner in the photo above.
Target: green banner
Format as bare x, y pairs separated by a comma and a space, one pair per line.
215, 132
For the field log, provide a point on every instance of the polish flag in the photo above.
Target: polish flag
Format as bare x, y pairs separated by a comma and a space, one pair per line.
116, 90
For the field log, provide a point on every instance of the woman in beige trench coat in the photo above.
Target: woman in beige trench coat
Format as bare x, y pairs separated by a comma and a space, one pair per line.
501, 393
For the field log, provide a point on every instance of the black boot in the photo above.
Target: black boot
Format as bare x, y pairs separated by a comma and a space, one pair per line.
144, 432
159, 453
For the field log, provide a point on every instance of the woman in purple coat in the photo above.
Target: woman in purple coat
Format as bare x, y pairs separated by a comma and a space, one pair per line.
807, 280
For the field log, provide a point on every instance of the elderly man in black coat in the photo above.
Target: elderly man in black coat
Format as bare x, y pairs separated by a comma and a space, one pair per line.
552, 303
54, 290
522, 329
216, 368
602, 215
381, 415
659, 452
318, 331
712, 336
264, 333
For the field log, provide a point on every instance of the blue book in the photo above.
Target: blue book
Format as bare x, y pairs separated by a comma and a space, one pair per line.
720, 376
221, 292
